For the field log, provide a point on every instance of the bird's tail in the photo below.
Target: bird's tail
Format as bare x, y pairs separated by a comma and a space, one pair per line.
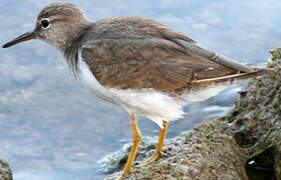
200, 90
236, 78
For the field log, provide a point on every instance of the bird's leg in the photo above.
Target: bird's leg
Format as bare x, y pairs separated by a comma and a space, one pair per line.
137, 140
160, 145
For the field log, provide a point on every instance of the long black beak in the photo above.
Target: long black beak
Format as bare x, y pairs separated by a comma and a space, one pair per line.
24, 37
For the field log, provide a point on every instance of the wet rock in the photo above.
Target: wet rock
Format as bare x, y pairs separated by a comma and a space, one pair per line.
117, 160
205, 153
5, 171
250, 134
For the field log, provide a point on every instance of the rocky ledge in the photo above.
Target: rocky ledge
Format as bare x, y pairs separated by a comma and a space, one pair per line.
244, 144
5, 170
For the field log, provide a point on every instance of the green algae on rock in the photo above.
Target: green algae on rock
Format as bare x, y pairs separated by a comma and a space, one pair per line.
5, 170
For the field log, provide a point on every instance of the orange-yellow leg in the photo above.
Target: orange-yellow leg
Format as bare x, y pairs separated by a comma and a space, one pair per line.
160, 145
137, 140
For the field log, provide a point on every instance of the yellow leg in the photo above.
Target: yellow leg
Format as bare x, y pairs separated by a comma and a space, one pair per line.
137, 140
160, 145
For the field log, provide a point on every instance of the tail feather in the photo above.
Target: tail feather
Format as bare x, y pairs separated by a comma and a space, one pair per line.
236, 77
200, 90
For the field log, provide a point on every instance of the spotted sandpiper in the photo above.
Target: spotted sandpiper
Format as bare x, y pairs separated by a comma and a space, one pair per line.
143, 66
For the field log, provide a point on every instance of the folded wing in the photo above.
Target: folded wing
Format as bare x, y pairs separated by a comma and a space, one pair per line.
162, 59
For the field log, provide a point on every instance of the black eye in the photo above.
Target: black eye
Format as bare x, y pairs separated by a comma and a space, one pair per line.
45, 23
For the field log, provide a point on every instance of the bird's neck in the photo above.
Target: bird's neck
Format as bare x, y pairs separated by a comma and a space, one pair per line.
72, 46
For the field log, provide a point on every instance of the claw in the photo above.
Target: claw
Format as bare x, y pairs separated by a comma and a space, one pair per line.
155, 157
131, 171
120, 177
160, 145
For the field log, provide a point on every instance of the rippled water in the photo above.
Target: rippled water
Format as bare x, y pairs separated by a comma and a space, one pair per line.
52, 128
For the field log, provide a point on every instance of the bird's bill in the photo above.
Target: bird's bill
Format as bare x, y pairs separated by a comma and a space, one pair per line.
24, 37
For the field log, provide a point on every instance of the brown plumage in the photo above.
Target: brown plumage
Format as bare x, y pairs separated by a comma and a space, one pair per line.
136, 53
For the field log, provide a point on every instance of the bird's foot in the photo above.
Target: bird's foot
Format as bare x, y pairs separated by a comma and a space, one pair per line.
120, 177
155, 157
131, 171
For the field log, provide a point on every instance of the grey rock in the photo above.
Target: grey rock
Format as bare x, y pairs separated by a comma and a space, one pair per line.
5, 170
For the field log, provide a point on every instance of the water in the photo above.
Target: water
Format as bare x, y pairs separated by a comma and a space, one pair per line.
52, 128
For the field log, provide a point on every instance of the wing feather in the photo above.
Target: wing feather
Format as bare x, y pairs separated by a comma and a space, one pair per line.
136, 53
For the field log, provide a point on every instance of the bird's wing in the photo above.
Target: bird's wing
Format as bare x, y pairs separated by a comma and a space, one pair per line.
198, 49
165, 61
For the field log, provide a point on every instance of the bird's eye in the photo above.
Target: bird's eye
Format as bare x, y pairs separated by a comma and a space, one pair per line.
45, 23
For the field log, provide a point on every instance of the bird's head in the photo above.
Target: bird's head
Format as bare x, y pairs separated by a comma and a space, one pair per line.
57, 24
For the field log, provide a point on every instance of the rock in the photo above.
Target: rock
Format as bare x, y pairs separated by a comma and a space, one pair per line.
117, 160
5, 170
235, 146
277, 163
205, 153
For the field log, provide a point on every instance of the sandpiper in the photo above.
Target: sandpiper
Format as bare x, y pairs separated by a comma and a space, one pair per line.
143, 66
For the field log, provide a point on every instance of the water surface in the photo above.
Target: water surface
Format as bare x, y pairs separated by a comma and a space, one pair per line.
52, 128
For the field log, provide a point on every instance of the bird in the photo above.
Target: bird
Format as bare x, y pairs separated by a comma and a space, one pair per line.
145, 67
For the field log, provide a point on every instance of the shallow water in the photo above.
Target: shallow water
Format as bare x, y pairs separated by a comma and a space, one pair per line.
52, 128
